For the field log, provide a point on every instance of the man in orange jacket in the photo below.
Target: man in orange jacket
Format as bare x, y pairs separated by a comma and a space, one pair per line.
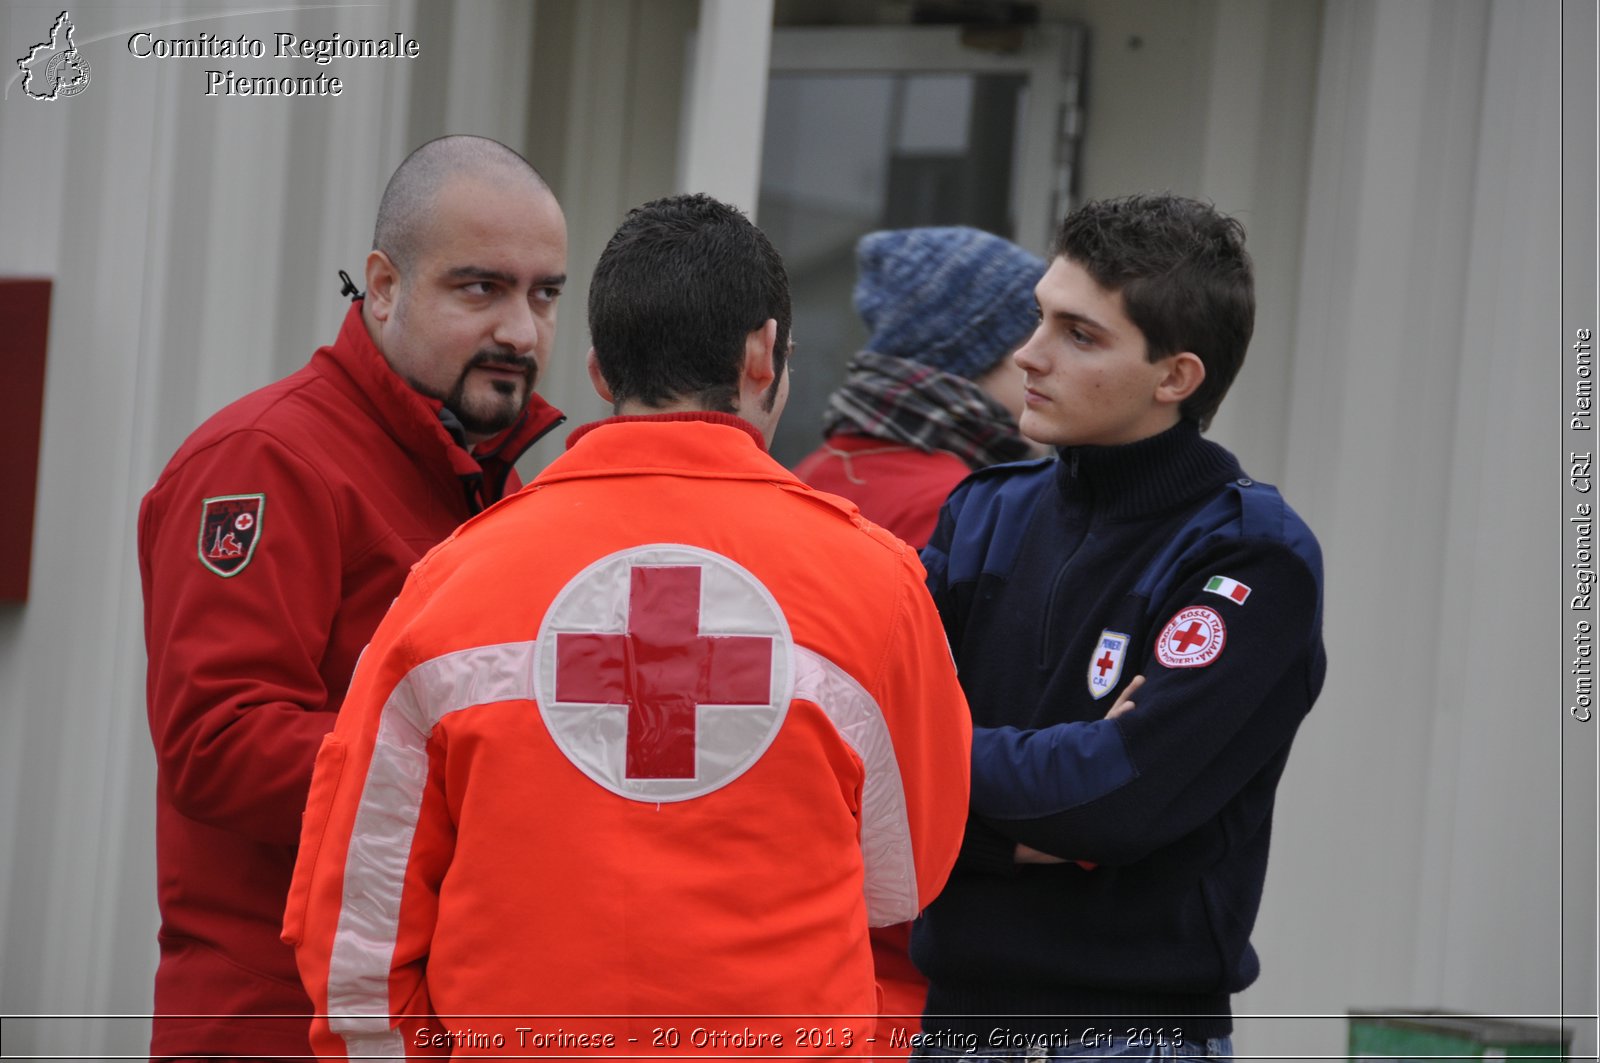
639, 754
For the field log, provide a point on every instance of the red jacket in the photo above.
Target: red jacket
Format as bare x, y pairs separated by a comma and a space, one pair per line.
269, 548
655, 739
897, 486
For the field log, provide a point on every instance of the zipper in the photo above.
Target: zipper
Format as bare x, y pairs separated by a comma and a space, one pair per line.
1047, 629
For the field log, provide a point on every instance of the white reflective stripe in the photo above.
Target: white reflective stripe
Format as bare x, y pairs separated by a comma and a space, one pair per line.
386, 819
891, 874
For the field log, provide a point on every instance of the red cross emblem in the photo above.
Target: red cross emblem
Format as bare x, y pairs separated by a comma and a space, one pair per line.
663, 669
679, 701
1192, 639
1105, 663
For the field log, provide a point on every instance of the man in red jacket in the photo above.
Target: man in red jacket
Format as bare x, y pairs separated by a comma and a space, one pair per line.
279, 533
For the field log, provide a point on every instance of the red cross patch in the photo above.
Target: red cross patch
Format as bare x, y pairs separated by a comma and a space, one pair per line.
665, 671
230, 528
1192, 639
1105, 663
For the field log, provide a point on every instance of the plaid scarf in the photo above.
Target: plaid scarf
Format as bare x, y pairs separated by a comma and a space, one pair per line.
907, 402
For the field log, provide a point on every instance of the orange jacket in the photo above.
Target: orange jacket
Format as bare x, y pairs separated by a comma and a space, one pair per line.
630, 767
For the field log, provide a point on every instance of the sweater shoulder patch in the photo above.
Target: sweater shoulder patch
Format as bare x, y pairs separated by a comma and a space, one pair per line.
1244, 509
991, 510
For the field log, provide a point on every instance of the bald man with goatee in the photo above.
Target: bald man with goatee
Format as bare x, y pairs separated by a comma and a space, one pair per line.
279, 533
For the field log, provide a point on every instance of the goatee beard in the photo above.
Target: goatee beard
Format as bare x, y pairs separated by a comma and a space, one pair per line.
487, 423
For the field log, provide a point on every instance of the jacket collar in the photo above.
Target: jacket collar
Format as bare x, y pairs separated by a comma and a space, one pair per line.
1154, 474
417, 422
677, 417
692, 443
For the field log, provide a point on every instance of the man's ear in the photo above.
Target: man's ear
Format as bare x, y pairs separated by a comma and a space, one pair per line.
1184, 373
597, 378
759, 345
383, 282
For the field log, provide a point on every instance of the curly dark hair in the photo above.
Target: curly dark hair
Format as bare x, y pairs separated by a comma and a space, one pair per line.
1184, 276
675, 293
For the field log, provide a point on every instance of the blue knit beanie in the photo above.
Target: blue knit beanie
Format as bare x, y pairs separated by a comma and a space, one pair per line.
955, 298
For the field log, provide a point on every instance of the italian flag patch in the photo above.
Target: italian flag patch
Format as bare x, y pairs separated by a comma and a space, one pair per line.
1230, 589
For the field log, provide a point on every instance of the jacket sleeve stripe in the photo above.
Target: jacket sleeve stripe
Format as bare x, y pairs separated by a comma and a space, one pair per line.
891, 879
386, 819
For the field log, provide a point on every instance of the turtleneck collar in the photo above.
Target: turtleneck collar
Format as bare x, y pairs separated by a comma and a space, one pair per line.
1154, 474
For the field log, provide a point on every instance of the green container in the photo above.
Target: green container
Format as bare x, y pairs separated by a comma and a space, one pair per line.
1396, 1036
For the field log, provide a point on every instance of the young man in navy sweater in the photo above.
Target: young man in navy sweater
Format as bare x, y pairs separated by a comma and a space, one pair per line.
1114, 859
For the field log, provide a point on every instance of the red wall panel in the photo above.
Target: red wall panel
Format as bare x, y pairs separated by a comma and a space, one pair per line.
24, 330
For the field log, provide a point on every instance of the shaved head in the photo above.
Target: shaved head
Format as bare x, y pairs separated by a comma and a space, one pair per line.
406, 210
468, 261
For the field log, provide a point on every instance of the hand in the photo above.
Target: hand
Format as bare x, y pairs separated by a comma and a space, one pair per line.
1124, 703
1028, 855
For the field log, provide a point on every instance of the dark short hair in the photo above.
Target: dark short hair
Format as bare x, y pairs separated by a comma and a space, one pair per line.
1184, 276
407, 204
675, 293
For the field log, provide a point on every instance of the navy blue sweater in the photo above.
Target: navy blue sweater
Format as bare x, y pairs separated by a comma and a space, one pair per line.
1059, 581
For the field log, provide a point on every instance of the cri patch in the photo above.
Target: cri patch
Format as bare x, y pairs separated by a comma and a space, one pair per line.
230, 529
1105, 664
1192, 639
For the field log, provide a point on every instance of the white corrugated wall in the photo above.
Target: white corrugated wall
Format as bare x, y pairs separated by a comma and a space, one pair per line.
1398, 162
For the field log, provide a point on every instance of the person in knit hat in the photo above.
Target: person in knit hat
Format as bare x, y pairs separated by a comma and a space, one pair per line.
935, 395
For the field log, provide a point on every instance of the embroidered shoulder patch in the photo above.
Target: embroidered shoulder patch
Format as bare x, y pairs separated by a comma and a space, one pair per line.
230, 528
1105, 663
1230, 589
1192, 639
